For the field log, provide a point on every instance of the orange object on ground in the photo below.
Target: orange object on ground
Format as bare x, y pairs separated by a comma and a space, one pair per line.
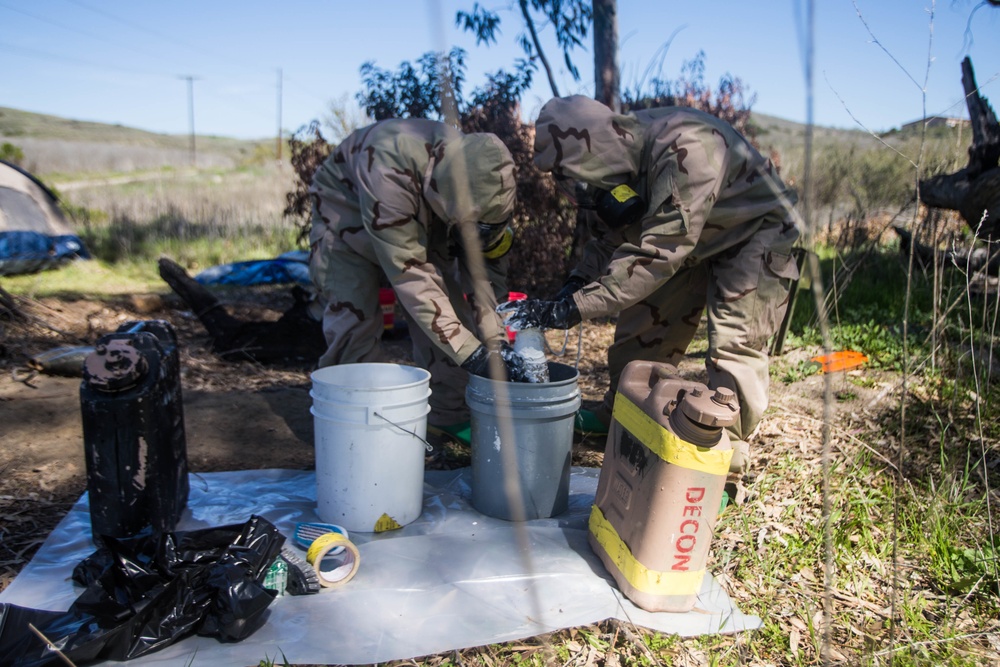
843, 360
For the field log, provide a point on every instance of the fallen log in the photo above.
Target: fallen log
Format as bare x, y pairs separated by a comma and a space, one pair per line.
8, 306
972, 260
295, 337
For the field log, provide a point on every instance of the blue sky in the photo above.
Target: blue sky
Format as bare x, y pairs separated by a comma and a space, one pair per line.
878, 63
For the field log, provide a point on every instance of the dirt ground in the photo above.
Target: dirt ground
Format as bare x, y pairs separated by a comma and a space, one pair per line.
237, 415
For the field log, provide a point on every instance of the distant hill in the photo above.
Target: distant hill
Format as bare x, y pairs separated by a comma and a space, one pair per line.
52, 144
15, 123
55, 144
772, 125
788, 137
942, 148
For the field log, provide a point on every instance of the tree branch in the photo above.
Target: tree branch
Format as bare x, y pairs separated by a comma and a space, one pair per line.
538, 47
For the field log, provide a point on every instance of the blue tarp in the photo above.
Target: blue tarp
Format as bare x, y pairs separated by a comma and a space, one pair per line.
29, 252
289, 267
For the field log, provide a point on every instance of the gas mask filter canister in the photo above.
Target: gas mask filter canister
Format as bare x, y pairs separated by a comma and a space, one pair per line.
496, 239
620, 207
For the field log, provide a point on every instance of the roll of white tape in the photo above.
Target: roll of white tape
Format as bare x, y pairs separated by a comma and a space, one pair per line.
335, 559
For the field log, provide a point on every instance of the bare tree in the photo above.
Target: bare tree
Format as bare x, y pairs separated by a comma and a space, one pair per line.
607, 78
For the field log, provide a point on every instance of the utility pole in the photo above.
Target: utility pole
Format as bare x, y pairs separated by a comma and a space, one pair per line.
190, 81
279, 115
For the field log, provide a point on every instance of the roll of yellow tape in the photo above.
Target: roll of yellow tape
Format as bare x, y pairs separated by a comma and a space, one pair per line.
334, 566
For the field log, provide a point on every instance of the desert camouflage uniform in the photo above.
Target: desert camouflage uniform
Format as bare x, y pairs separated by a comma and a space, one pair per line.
389, 200
717, 234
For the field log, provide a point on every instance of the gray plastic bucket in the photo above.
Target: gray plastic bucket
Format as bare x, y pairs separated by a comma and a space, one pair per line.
524, 429
370, 423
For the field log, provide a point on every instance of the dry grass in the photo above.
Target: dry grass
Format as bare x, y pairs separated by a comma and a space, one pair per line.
55, 156
224, 198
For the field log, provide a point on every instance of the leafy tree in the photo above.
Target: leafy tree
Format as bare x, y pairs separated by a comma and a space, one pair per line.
570, 20
433, 87
424, 90
308, 149
543, 222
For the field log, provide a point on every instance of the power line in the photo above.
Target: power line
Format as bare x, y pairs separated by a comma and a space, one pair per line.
132, 24
19, 51
187, 45
85, 33
81, 62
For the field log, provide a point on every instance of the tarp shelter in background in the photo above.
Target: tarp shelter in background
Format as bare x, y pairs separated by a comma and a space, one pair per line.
34, 233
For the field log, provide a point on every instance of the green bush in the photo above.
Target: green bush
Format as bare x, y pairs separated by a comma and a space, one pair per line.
11, 153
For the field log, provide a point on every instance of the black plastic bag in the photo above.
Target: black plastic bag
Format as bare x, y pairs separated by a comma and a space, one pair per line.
146, 592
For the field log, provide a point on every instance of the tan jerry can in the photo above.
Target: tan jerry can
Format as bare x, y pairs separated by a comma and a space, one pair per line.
661, 484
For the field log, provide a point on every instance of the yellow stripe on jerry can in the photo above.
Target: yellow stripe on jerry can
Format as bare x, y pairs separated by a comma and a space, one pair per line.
661, 484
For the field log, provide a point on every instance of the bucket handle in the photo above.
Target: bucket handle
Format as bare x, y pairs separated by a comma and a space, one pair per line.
373, 412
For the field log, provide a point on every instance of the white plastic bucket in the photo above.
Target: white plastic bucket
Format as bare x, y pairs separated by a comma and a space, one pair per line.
370, 424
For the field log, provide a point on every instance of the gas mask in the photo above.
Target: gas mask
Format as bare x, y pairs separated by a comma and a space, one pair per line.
619, 207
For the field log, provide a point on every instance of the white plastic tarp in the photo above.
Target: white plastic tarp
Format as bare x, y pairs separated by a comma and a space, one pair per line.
452, 579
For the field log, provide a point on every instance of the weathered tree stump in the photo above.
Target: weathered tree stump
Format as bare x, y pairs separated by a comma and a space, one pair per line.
295, 337
973, 191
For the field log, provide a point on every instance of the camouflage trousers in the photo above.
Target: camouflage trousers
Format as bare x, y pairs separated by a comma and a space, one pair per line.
348, 276
744, 293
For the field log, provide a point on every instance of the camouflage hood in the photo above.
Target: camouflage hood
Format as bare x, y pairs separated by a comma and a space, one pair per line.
471, 180
580, 138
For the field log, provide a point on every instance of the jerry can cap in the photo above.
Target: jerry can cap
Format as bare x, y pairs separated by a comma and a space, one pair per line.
718, 408
114, 366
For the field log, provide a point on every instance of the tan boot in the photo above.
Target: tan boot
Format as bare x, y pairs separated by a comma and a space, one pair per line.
741, 457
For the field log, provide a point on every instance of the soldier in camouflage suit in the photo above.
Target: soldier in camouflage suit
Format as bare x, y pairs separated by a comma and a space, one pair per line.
704, 221
391, 199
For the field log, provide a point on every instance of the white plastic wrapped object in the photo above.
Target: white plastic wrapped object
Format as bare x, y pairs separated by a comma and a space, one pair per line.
530, 344
451, 579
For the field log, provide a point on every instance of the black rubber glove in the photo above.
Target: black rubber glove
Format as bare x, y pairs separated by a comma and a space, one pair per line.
516, 365
535, 313
573, 285
478, 362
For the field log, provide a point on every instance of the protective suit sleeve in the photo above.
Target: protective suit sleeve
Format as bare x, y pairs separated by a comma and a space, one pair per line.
598, 249
685, 169
488, 323
636, 270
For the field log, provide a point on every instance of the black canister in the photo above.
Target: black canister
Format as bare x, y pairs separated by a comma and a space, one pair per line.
133, 431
